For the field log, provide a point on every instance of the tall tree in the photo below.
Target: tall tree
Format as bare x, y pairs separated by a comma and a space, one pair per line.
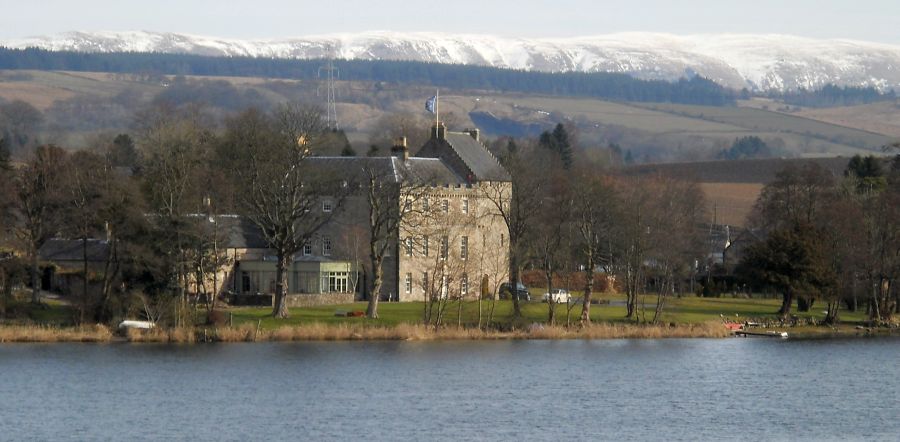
38, 207
594, 205
516, 204
280, 191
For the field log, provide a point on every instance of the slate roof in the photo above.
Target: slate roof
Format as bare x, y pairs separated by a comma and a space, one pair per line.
477, 159
482, 163
57, 249
240, 233
428, 170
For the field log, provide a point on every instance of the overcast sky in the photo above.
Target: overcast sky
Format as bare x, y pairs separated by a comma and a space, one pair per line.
861, 19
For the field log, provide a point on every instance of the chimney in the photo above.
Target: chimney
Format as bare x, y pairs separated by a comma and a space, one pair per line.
400, 150
473, 133
439, 131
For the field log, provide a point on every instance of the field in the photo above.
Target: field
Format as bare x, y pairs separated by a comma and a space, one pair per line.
776, 122
732, 202
881, 118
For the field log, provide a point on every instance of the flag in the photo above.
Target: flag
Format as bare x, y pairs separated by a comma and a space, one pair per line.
429, 104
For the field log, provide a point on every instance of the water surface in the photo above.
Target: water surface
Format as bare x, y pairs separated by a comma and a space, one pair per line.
692, 389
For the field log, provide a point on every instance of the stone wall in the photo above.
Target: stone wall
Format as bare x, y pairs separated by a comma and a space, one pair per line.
307, 300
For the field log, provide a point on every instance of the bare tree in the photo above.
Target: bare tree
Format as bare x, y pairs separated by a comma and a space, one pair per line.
37, 209
516, 205
280, 191
594, 205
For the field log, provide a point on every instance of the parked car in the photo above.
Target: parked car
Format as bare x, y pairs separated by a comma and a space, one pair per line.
561, 296
521, 293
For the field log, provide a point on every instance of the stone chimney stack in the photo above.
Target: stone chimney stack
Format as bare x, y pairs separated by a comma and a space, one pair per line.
439, 131
400, 150
473, 133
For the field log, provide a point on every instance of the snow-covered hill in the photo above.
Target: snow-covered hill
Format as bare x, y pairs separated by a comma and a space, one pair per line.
758, 62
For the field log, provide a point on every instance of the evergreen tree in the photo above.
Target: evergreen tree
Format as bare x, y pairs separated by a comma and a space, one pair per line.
123, 152
4, 154
373, 151
558, 141
746, 147
348, 151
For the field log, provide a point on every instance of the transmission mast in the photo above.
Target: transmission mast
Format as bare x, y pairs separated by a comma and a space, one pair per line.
331, 73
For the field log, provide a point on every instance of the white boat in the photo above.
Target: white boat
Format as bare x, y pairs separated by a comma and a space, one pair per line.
141, 325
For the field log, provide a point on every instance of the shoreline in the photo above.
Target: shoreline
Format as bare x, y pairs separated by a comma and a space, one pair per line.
402, 332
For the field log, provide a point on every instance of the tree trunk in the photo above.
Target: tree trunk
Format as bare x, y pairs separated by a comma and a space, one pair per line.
377, 281
281, 310
35, 278
786, 302
551, 303
588, 289
84, 278
514, 278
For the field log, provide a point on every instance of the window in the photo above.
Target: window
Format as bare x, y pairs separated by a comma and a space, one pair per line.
409, 283
464, 284
445, 246
425, 281
445, 206
409, 246
307, 249
465, 206
326, 206
338, 282
326, 246
424, 204
502, 240
425, 246
407, 206
464, 247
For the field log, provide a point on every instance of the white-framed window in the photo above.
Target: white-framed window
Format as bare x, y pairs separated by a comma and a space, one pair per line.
425, 246
445, 206
307, 249
464, 247
465, 206
327, 205
409, 283
445, 247
326, 246
338, 282
464, 284
424, 204
425, 281
409, 246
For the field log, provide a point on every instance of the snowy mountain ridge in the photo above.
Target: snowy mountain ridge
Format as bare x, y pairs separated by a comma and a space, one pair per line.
757, 62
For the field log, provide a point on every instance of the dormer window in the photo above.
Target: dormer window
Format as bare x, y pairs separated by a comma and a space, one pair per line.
327, 206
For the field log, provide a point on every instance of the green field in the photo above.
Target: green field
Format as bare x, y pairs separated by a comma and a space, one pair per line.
686, 310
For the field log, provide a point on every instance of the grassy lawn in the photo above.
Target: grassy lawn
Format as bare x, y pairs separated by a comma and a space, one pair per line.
688, 310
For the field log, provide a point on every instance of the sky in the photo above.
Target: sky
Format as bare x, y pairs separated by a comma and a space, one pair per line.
868, 20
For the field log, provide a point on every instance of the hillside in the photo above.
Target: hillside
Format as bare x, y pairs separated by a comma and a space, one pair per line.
755, 62
77, 105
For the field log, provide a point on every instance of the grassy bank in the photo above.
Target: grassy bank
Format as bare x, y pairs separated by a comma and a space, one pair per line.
683, 318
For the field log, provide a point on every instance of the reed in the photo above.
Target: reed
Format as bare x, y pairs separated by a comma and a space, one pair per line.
41, 333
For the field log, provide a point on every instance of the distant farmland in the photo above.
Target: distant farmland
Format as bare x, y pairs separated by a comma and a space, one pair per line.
767, 121
732, 187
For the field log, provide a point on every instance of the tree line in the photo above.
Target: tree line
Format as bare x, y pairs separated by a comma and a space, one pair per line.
612, 86
829, 239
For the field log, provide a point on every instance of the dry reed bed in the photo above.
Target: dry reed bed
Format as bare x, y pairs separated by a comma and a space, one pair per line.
358, 332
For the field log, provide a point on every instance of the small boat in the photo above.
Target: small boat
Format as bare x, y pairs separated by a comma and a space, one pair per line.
767, 334
141, 325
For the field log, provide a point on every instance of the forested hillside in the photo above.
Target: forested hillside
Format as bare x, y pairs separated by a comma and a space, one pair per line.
620, 87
